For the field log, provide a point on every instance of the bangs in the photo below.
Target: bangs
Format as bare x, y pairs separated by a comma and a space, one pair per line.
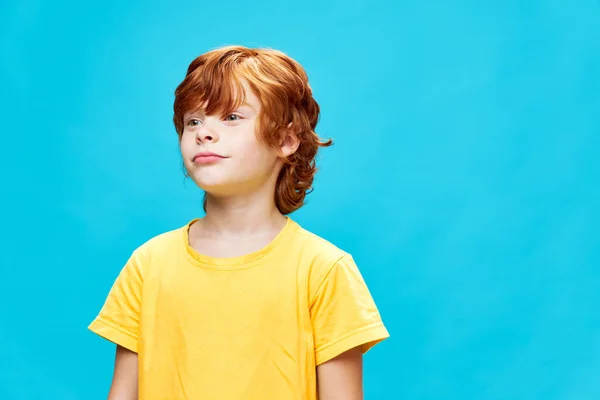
213, 88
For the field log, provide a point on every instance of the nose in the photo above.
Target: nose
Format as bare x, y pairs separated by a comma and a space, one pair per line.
204, 135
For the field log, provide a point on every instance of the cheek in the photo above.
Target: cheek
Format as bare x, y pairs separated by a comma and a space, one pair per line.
256, 155
187, 145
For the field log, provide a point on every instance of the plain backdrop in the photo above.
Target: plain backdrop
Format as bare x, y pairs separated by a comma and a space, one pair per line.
464, 179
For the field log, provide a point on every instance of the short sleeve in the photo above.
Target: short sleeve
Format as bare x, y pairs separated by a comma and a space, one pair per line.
119, 318
344, 314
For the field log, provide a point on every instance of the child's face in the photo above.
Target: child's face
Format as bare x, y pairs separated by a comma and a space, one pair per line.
223, 156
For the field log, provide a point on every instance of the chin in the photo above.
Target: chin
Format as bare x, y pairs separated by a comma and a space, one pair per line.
214, 186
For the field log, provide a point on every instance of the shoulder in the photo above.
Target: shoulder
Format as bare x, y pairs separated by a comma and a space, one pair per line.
160, 245
319, 255
317, 247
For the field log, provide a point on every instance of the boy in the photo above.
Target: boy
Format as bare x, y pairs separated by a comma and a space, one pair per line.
243, 303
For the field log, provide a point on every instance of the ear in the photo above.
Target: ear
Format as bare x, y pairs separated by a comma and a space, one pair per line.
289, 142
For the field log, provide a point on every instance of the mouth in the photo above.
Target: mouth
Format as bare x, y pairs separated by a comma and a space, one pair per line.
207, 157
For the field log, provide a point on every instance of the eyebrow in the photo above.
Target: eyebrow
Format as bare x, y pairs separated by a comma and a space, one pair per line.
201, 111
245, 104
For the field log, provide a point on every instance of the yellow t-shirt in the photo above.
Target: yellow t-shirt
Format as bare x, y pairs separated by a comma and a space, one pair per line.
244, 328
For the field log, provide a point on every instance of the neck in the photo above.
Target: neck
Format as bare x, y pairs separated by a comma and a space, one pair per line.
241, 215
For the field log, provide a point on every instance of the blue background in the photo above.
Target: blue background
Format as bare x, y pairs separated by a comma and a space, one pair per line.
464, 179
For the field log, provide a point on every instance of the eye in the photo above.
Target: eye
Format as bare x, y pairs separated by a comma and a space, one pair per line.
232, 117
194, 122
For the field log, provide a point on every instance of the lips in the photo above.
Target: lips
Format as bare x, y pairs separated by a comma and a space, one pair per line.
206, 154
207, 157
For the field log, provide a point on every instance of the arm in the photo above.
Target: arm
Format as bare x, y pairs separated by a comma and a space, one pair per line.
341, 377
125, 377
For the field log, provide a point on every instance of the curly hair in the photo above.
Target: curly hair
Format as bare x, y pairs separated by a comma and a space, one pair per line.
215, 79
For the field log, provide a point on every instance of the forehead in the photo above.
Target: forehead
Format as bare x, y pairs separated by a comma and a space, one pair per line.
250, 97
239, 96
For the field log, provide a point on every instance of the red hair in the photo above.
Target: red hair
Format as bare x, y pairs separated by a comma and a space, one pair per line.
215, 79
